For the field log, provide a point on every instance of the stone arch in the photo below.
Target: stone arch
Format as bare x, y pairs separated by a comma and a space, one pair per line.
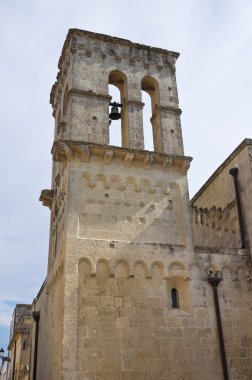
227, 268
131, 182
118, 79
151, 86
160, 185
157, 270
184, 295
176, 269
147, 185
116, 182
121, 269
102, 178
88, 178
84, 270
174, 186
140, 269
103, 269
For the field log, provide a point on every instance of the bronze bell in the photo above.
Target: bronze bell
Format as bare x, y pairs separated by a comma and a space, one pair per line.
114, 114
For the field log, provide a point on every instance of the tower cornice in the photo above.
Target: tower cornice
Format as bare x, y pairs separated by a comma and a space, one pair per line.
67, 150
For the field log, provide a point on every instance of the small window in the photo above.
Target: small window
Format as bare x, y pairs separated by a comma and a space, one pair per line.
174, 297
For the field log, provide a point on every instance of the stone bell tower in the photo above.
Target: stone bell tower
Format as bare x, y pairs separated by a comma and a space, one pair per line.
120, 240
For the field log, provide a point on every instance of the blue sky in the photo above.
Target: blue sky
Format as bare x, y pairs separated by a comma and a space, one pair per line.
214, 79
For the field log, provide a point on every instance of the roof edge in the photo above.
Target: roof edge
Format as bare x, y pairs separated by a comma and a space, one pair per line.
107, 38
123, 41
237, 150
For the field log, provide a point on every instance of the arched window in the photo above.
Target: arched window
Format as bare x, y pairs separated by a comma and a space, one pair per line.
118, 90
115, 133
147, 126
150, 85
174, 298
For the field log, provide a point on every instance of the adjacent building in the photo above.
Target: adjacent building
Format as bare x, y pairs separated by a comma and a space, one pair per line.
19, 346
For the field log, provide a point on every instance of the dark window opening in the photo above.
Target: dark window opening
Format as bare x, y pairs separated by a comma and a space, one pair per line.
174, 297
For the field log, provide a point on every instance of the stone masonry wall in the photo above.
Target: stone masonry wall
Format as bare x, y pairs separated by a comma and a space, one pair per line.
50, 305
214, 210
127, 328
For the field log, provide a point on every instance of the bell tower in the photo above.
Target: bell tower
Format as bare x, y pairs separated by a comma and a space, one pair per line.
120, 235
80, 99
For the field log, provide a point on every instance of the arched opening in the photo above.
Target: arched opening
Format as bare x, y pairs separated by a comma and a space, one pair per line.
147, 126
115, 133
118, 134
150, 86
174, 298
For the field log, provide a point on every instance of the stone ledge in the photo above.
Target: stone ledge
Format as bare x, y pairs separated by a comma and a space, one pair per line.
89, 94
65, 150
221, 250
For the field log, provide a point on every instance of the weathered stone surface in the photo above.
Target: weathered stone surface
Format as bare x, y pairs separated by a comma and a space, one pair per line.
121, 234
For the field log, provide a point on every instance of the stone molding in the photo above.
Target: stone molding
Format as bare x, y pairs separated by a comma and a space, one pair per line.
221, 250
65, 150
143, 184
89, 94
135, 103
169, 109
166, 271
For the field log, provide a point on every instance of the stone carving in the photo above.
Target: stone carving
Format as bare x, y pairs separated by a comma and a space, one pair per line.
46, 197
104, 214
122, 183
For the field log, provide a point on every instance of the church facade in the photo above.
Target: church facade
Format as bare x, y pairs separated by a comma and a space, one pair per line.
141, 282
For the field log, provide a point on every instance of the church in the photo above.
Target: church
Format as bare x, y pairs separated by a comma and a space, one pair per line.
142, 283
